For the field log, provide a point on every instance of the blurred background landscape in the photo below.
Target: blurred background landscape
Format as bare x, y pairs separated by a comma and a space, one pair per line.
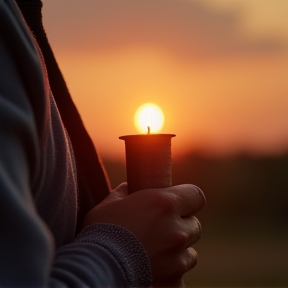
218, 69
245, 227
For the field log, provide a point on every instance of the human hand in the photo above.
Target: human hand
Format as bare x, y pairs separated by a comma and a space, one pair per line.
162, 219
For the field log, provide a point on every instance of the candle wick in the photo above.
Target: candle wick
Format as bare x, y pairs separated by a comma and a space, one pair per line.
148, 127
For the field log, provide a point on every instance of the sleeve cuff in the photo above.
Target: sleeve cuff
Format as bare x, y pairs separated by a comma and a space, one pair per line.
125, 247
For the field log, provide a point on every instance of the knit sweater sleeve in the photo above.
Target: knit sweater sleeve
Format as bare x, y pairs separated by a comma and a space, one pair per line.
100, 255
111, 252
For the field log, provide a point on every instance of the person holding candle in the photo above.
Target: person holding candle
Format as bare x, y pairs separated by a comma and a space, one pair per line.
60, 226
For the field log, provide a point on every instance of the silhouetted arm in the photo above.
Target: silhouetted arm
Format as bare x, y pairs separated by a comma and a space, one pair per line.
99, 256
92, 181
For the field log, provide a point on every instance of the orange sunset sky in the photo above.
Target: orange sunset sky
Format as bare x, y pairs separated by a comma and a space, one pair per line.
217, 68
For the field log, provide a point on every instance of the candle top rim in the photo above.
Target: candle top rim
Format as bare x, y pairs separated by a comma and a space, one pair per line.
147, 135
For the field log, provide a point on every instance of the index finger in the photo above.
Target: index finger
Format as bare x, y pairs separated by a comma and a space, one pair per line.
188, 199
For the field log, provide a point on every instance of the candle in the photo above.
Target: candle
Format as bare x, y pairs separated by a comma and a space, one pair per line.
148, 158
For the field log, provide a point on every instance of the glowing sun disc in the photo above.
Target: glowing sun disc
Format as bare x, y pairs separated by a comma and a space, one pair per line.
149, 115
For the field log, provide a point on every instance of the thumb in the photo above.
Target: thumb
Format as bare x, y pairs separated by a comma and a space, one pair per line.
119, 192
116, 194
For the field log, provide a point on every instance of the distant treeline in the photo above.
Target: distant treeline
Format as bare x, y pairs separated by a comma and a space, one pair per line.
245, 220
235, 187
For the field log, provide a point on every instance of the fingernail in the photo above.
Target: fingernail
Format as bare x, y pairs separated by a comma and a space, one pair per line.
201, 194
199, 227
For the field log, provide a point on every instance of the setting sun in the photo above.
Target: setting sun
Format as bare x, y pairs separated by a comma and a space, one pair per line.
149, 118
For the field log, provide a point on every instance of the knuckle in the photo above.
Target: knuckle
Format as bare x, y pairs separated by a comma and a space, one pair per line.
192, 258
196, 230
185, 262
165, 202
195, 193
179, 239
200, 195
182, 267
197, 227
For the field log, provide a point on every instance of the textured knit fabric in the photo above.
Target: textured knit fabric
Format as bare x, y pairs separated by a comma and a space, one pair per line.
88, 164
128, 253
38, 184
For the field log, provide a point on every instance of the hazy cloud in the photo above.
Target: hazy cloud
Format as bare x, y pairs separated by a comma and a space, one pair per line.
186, 28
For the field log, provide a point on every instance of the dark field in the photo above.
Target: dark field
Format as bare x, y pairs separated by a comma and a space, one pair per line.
245, 220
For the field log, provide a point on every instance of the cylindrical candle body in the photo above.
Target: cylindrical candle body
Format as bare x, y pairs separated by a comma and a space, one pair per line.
148, 161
